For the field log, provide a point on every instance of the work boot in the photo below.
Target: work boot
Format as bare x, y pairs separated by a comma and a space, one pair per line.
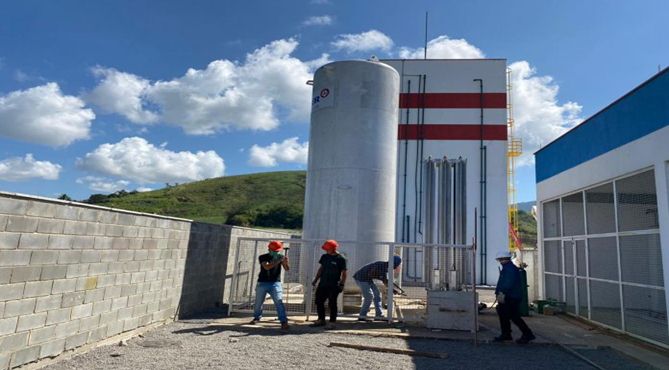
318, 323
379, 318
364, 318
254, 321
284, 326
526, 339
502, 338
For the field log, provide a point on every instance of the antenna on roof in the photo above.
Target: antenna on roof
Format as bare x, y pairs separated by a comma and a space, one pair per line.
425, 49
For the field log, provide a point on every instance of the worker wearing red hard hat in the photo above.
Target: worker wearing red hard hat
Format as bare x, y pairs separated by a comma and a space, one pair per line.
269, 282
331, 277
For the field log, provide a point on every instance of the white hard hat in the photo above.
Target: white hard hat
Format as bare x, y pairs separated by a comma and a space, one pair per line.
503, 254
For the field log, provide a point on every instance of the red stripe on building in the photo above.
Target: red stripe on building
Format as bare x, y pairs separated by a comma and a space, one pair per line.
451, 132
452, 100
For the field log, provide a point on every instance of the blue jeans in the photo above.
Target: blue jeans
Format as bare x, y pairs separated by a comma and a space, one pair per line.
276, 292
369, 292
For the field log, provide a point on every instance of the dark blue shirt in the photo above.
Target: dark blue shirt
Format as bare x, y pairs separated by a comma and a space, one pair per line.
509, 282
375, 270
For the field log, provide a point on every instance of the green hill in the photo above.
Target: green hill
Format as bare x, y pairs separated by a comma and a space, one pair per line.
272, 199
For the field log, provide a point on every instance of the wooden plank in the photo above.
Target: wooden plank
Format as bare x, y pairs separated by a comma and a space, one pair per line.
408, 352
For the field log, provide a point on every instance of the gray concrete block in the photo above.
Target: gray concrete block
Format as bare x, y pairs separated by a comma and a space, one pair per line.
43, 257
11, 206
8, 325
25, 273
120, 243
13, 342
141, 255
145, 320
130, 232
5, 274
117, 303
21, 224
77, 270
114, 230
115, 267
130, 266
128, 290
108, 217
20, 307
89, 256
76, 340
54, 272
50, 226
94, 295
67, 212
151, 275
49, 302
74, 228
67, 329
134, 300
103, 242
89, 323
37, 289
106, 280
162, 243
112, 292
42, 334
4, 360
102, 306
98, 268
83, 242
64, 286
114, 328
90, 215
73, 299
95, 229
126, 255
58, 316
125, 313
33, 241
153, 306
9, 240
126, 219
130, 324
108, 317
109, 256
139, 310
24, 356
81, 311
143, 287
60, 241
136, 243
123, 279
41, 209
98, 334
151, 243
29, 322
68, 257
137, 277
52, 348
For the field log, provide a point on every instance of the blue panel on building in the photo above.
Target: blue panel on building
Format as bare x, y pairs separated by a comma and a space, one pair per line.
637, 114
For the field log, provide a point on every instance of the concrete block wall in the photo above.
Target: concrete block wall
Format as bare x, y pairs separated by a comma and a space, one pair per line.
72, 274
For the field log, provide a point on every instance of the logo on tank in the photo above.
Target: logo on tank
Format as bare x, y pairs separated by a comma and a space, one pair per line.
322, 99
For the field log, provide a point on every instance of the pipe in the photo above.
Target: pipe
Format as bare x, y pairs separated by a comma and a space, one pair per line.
421, 141
484, 251
406, 149
480, 81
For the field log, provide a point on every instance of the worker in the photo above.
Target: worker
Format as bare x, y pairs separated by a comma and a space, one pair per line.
331, 277
365, 279
269, 282
509, 294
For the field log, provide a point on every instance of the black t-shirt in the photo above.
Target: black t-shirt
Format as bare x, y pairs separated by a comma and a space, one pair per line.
268, 276
333, 265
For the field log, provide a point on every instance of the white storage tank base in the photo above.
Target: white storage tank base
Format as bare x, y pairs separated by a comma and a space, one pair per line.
351, 175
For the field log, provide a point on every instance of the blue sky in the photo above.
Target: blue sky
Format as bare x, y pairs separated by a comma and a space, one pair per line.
97, 96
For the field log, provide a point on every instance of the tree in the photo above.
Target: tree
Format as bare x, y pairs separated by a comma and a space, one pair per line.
65, 197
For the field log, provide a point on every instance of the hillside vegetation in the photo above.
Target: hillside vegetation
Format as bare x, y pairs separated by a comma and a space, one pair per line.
272, 199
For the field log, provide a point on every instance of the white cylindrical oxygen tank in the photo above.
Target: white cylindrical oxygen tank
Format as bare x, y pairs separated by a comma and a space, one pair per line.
351, 175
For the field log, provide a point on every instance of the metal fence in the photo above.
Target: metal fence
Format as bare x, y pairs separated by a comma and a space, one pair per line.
432, 268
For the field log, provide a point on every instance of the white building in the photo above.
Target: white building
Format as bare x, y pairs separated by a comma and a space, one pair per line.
603, 196
454, 108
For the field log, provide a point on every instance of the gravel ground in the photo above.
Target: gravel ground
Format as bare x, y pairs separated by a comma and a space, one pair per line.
197, 345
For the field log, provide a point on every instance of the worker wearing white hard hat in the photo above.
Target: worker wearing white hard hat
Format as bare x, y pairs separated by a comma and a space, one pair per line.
509, 294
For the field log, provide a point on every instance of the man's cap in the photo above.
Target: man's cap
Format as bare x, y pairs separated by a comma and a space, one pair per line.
275, 246
330, 245
397, 260
503, 255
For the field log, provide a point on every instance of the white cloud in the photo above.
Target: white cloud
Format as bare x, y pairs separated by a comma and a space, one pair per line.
122, 93
366, 41
135, 159
287, 151
143, 189
103, 184
443, 48
538, 116
26, 168
322, 20
43, 115
256, 94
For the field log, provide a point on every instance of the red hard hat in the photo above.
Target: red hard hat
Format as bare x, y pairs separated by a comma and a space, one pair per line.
330, 245
275, 246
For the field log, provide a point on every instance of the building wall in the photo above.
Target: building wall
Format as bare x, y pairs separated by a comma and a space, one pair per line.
451, 127
628, 137
72, 274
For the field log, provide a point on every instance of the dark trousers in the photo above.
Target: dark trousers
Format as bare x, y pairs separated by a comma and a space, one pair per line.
510, 311
330, 294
